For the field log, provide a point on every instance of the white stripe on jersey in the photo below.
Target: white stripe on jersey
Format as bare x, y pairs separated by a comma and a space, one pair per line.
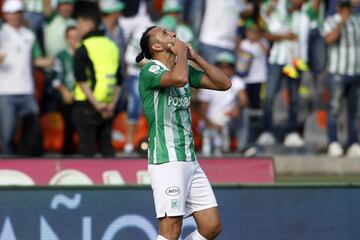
169, 136
187, 129
342, 57
185, 118
352, 50
156, 101
332, 64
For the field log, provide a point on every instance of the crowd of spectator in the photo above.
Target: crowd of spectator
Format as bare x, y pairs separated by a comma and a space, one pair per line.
269, 48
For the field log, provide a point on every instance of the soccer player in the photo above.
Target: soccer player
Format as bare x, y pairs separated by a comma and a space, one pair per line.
180, 187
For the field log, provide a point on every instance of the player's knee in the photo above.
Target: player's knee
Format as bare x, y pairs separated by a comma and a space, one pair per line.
215, 230
171, 230
172, 234
211, 230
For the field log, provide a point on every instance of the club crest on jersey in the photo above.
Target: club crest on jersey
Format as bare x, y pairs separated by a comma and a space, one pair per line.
174, 101
154, 69
175, 204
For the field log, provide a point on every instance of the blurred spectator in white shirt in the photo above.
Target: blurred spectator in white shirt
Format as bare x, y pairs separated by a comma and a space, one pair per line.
256, 74
288, 29
18, 49
342, 36
218, 30
56, 22
222, 111
134, 108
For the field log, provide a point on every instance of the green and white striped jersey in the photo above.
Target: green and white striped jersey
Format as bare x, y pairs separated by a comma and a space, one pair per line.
344, 54
35, 6
280, 21
167, 111
64, 70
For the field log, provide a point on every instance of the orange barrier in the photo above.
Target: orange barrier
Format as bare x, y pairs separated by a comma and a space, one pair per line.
321, 118
53, 130
120, 131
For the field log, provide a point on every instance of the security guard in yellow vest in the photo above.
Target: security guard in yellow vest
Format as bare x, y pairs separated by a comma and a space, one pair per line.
98, 78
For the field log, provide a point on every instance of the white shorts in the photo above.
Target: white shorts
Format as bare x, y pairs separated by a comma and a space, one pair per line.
180, 189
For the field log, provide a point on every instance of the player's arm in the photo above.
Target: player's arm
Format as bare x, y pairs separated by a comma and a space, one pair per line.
178, 76
214, 78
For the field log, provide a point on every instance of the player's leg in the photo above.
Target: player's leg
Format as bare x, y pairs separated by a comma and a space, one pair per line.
170, 183
170, 227
202, 205
208, 225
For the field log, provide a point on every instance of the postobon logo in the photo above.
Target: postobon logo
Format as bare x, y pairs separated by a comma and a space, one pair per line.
179, 101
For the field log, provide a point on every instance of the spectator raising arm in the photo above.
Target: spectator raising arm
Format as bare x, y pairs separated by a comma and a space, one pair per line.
316, 5
47, 8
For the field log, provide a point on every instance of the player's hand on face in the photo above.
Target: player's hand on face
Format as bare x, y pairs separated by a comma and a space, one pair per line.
178, 47
191, 54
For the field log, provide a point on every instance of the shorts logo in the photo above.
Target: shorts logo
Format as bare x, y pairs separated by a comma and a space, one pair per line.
173, 191
174, 204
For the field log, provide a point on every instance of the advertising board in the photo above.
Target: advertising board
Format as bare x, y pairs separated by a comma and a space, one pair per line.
128, 171
108, 213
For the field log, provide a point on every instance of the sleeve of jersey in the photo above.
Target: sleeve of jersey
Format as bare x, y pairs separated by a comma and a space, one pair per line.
195, 77
150, 76
328, 26
80, 61
119, 76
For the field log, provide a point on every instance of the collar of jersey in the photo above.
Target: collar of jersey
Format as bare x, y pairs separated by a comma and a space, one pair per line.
157, 62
